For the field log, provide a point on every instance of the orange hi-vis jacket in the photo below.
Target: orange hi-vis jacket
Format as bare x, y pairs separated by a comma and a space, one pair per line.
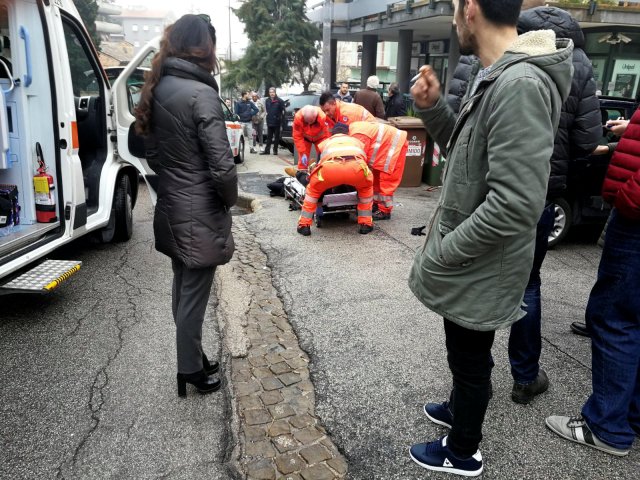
349, 113
382, 144
341, 147
304, 134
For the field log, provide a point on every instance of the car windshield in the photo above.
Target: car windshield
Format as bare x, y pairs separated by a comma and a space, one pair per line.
299, 101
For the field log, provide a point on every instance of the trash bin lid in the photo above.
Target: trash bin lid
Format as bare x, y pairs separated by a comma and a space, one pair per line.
406, 122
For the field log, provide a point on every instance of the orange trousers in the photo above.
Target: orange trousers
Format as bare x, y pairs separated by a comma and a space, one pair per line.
386, 183
332, 173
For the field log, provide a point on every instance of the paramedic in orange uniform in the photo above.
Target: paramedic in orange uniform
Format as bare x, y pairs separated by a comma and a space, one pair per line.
386, 149
343, 112
342, 162
309, 128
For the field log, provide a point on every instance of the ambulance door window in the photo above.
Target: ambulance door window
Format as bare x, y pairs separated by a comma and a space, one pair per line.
88, 87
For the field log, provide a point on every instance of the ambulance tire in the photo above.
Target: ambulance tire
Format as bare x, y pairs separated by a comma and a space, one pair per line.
123, 209
239, 159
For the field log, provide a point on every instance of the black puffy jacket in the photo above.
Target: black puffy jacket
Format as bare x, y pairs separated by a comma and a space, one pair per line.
198, 181
459, 82
580, 127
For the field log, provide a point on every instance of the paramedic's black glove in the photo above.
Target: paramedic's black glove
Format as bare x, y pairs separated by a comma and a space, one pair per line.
419, 231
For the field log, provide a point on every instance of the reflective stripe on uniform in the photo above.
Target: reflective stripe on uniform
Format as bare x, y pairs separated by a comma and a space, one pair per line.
365, 114
364, 213
342, 151
377, 197
386, 199
365, 199
394, 145
376, 146
309, 199
306, 214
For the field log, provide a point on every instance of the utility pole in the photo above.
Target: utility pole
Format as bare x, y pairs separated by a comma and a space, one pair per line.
326, 44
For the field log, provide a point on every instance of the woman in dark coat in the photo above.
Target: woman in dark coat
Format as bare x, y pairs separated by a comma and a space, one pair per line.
181, 116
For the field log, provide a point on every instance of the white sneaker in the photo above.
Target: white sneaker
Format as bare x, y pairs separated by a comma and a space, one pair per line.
576, 430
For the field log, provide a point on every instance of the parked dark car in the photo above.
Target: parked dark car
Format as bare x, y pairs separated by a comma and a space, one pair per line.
293, 104
582, 203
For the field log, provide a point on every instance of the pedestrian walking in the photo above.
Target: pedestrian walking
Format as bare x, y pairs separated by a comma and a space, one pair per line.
476, 260
181, 116
369, 97
610, 418
245, 109
275, 112
257, 121
395, 106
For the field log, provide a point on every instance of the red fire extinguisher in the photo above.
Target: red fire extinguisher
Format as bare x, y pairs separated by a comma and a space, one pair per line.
44, 189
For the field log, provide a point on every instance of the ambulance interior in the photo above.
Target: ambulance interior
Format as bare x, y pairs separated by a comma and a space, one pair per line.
28, 125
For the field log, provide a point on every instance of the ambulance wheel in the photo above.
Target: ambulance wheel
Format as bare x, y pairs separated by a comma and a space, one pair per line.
238, 159
123, 209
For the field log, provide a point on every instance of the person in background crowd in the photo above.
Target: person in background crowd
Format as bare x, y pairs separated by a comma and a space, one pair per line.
342, 162
181, 117
369, 97
343, 93
386, 148
610, 419
275, 112
340, 112
309, 128
245, 109
257, 121
579, 132
227, 102
395, 103
476, 261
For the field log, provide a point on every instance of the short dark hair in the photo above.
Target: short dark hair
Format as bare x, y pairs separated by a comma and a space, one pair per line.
498, 12
326, 97
243, 93
394, 88
340, 128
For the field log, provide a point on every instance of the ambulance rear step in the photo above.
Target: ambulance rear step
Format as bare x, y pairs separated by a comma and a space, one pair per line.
42, 278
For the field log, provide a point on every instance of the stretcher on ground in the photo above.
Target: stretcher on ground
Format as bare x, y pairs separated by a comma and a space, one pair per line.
341, 199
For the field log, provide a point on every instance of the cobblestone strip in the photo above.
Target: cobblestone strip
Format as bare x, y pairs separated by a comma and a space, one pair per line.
279, 435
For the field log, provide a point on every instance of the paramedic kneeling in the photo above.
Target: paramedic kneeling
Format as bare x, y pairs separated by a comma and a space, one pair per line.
342, 162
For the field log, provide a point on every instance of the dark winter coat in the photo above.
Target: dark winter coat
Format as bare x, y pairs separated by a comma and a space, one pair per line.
245, 109
190, 152
275, 111
371, 100
395, 106
580, 126
621, 186
460, 81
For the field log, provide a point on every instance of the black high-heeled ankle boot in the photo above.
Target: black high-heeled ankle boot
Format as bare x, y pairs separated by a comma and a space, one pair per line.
203, 382
209, 367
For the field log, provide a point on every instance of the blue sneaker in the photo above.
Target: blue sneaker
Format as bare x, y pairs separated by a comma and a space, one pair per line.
437, 456
439, 413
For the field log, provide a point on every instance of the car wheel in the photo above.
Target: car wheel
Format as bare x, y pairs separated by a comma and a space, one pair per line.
561, 222
238, 159
123, 207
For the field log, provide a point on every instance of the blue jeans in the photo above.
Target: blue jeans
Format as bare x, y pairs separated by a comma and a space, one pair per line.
525, 341
613, 313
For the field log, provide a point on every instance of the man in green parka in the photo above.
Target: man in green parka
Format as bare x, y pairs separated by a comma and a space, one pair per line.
475, 263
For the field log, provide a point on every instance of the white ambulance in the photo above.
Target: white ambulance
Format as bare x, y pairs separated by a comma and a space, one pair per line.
68, 164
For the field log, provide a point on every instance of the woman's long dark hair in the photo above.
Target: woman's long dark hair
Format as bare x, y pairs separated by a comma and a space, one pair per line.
191, 38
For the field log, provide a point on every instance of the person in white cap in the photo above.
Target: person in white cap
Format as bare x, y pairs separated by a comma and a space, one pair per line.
369, 97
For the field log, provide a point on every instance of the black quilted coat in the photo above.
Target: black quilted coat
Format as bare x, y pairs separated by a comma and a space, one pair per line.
580, 126
460, 81
191, 154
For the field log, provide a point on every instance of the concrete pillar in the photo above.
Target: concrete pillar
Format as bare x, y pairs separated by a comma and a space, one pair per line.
369, 55
404, 60
334, 62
